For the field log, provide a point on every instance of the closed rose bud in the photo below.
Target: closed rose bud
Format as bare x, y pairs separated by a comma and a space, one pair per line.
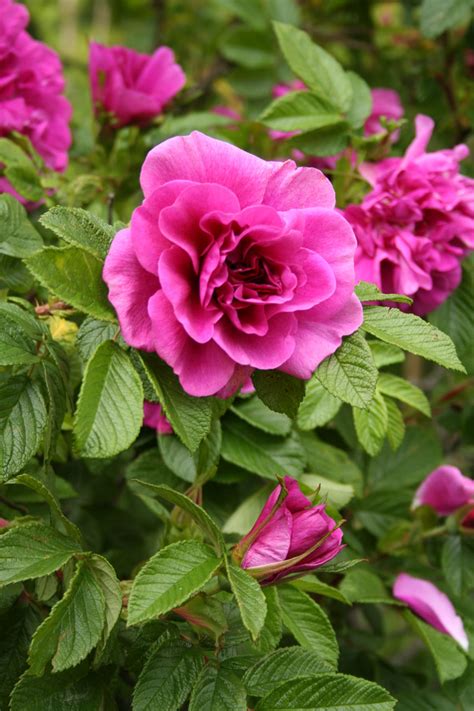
290, 536
445, 490
432, 605
154, 417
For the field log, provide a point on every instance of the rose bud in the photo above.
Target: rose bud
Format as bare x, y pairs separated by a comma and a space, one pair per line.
290, 536
467, 521
445, 490
432, 605
153, 417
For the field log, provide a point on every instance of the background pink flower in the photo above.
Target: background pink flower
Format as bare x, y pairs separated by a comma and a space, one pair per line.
417, 223
154, 417
31, 90
286, 531
445, 490
232, 263
131, 86
431, 605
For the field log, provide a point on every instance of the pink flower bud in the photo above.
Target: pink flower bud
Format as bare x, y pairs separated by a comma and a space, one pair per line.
4, 523
290, 536
432, 605
153, 417
445, 490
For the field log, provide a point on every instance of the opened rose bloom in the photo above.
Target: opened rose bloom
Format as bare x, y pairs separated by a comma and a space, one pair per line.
154, 417
290, 536
232, 263
446, 490
417, 223
130, 86
31, 91
432, 605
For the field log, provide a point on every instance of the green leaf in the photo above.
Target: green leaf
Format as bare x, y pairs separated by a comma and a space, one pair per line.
75, 276
456, 317
385, 354
248, 47
168, 676
308, 624
411, 333
272, 630
22, 422
279, 391
18, 237
16, 346
396, 424
14, 275
73, 627
318, 406
328, 692
197, 513
69, 528
281, 666
371, 425
318, 69
260, 453
361, 103
56, 387
32, 550
169, 578
80, 228
366, 291
24, 179
457, 563
245, 515
338, 494
66, 691
110, 406
311, 584
107, 580
437, 16
404, 391
330, 462
257, 414
350, 373
327, 141
449, 660
189, 416
218, 690
299, 111
361, 585
178, 458
92, 333
250, 599
17, 625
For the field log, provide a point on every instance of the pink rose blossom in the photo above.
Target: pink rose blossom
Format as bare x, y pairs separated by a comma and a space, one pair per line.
432, 605
131, 86
31, 90
154, 417
445, 490
291, 535
417, 223
232, 263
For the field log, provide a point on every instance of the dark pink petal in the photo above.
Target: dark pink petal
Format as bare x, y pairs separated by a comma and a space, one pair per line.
130, 288
446, 489
291, 187
272, 543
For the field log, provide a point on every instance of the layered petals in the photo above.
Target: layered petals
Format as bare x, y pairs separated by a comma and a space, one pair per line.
233, 263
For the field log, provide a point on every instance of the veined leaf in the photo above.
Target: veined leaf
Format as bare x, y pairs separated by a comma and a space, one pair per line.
371, 424
299, 111
169, 578
350, 373
75, 276
280, 666
72, 628
71, 690
318, 406
403, 390
411, 333
396, 424
18, 237
308, 624
110, 407
250, 599
257, 414
32, 550
448, 657
279, 391
80, 228
366, 291
218, 690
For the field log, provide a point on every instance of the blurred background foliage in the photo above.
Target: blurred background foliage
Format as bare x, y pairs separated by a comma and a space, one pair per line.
230, 54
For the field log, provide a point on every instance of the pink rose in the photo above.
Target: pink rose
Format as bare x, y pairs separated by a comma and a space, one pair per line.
417, 223
445, 490
31, 90
154, 417
131, 86
290, 536
432, 605
232, 263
